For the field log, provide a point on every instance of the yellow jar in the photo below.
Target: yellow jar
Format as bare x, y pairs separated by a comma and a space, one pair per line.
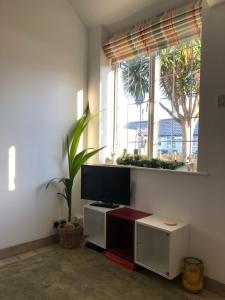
193, 275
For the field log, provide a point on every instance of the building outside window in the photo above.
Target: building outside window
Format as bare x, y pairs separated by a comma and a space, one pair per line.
156, 104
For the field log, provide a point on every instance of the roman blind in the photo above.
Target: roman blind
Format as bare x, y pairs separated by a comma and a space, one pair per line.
165, 30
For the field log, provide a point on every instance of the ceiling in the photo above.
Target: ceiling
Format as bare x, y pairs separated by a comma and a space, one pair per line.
107, 12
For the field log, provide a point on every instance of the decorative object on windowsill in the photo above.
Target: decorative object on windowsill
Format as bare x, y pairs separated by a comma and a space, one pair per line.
136, 152
193, 274
109, 161
141, 161
69, 233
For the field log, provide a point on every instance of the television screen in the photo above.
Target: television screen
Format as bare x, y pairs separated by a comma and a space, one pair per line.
106, 184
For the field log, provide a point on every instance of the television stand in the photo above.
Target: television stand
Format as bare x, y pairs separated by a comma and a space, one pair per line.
105, 204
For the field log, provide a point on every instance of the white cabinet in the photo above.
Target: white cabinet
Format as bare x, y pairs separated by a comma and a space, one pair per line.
160, 247
95, 225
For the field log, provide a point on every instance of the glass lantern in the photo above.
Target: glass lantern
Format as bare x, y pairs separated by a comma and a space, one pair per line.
193, 274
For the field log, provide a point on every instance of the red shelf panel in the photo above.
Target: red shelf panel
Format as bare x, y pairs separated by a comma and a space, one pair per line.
120, 232
128, 214
123, 262
122, 252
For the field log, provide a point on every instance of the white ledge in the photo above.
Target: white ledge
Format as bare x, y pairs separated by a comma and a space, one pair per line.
177, 171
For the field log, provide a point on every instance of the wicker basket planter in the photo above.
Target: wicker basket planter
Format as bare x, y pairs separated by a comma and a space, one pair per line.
70, 235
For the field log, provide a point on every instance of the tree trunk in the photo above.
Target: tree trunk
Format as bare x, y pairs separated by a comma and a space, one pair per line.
69, 200
188, 128
69, 214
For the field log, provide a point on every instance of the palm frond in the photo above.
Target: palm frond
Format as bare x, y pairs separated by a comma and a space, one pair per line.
75, 160
135, 78
79, 128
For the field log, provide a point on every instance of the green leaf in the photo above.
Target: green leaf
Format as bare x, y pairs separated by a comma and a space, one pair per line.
68, 153
76, 163
79, 128
81, 158
60, 194
90, 154
57, 180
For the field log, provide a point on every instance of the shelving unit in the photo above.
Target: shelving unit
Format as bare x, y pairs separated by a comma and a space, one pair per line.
95, 224
138, 238
120, 232
160, 247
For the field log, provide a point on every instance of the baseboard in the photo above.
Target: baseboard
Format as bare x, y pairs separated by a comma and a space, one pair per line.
215, 286
29, 246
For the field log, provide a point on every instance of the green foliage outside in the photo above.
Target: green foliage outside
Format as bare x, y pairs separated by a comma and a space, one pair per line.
135, 78
142, 161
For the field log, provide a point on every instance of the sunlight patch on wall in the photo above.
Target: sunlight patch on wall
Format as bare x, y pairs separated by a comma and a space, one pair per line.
12, 168
80, 109
80, 103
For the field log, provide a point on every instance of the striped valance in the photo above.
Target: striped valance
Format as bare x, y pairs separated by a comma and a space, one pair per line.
163, 31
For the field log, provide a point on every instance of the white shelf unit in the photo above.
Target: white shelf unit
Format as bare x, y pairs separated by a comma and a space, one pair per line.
160, 247
95, 224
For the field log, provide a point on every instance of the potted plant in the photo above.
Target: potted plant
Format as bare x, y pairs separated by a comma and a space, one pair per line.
70, 233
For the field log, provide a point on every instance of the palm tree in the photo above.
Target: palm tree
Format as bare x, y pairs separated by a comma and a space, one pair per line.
75, 159
180, 83
135, 78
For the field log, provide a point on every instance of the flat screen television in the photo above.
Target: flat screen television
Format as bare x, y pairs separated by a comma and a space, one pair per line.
109, 186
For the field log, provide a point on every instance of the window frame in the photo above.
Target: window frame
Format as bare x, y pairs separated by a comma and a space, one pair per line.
151, 108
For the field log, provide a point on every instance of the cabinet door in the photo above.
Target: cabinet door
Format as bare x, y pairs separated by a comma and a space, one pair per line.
94, 227
152, 249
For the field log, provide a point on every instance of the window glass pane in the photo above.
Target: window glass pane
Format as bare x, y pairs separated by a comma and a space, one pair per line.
196, 48
106, 117
176, 109
132, 106
164, 87
166, 62
196, 82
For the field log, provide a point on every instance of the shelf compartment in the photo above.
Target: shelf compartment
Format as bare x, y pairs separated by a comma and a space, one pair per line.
120, 231
94, 227
160, 247
152, 249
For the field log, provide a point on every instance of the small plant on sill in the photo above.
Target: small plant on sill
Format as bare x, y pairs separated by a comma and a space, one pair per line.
142, 161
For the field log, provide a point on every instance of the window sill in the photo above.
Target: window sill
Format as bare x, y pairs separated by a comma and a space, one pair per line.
177, 171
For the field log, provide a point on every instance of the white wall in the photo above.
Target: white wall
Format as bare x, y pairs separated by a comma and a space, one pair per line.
198, 200
94, 49
98, 70
42, 67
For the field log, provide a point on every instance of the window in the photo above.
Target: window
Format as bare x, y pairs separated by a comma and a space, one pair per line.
156, 104
132, 106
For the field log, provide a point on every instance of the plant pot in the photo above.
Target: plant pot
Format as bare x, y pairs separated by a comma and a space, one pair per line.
69, 235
